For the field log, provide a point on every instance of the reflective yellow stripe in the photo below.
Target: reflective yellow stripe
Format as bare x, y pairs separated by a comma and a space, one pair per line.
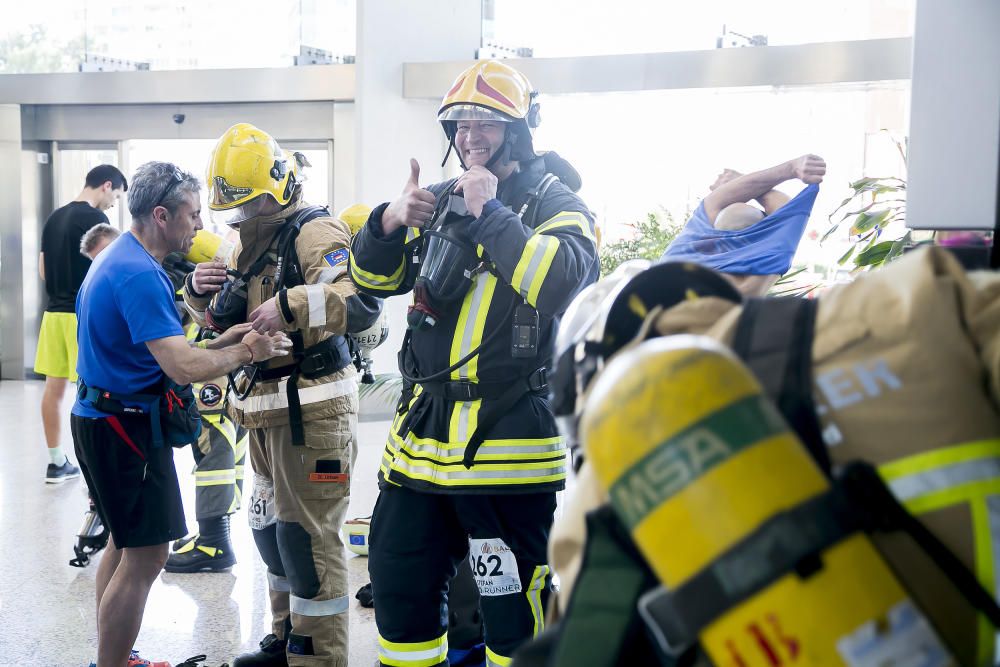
518, 473
534, 265
940, 457
968, 473
376, 281
214, 477
490, 450
534, 595
464, 419
495, 659
412, 234
416, 654
568, 219
470, 327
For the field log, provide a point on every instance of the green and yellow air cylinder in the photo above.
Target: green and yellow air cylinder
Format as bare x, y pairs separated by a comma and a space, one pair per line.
694, 459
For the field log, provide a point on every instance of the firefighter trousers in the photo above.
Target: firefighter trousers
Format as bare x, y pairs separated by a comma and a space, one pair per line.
417, 539
299, 502
218, 474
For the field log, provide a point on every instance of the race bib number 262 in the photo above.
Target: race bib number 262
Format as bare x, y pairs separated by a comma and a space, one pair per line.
494, 567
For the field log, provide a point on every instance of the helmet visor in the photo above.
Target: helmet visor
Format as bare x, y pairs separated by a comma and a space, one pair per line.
458, 112
222, 194
235, 215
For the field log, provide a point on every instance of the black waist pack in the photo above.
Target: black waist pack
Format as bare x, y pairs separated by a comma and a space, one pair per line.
172, 409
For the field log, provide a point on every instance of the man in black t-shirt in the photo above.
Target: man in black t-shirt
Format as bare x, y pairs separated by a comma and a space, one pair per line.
62, 269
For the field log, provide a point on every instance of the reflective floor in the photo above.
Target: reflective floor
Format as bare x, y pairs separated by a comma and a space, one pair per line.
47, 607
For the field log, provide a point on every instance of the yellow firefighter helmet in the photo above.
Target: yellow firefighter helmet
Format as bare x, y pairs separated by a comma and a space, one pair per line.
355, 216
248, 166
492, 90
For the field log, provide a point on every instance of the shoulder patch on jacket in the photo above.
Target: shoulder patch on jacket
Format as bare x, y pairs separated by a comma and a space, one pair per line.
336, 257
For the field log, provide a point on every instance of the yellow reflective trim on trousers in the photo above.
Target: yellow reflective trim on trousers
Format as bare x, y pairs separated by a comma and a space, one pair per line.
937, 458
534, 595
534, 264
495, 659
376, 281
471, 325
568, 219
415, 654
419, 460
955, 495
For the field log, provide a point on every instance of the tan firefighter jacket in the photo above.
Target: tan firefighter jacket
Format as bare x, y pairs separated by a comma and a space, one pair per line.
906, 372
319, 309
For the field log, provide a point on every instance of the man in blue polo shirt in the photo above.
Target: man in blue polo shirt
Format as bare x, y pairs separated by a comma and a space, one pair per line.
130, 339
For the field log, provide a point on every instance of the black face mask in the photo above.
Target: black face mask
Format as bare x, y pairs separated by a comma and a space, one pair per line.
229, 308
449, 259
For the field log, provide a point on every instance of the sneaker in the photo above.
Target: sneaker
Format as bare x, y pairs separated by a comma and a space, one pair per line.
197, 556
58, 474
135, 660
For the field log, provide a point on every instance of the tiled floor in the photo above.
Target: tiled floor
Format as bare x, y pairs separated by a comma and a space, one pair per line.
47, 607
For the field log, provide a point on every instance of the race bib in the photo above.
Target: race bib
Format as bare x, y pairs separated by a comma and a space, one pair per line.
494, 567
260, 509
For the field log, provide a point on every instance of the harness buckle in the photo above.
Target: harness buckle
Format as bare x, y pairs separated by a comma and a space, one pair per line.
461, 391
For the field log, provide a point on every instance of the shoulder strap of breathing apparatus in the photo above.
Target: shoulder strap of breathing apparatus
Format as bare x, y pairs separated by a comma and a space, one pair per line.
327, 357
501, 397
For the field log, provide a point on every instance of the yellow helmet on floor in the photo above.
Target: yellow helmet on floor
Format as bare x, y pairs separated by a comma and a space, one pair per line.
246, 167
355, 216
492, 90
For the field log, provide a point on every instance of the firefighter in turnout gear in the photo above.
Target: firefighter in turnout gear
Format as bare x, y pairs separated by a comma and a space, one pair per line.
289, 273
219, 457
474, 458
896, 372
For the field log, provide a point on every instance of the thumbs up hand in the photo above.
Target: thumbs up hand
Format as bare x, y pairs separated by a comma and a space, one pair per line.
413, 208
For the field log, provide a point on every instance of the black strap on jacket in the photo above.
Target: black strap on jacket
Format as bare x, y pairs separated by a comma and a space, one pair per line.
329, 356
501, 397
794, 541
774, 337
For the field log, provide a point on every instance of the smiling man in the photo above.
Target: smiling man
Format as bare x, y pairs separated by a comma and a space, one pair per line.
474, 459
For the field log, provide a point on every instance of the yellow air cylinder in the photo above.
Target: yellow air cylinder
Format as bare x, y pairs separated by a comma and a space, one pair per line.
695, 459
208, 247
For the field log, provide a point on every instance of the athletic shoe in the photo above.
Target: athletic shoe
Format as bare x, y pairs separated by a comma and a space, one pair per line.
135, 660
58, 474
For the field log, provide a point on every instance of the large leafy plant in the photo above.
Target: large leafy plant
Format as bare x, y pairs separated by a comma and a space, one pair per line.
650, 239
873, 205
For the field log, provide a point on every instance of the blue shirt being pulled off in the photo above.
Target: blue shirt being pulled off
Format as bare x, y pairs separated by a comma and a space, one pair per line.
125, 301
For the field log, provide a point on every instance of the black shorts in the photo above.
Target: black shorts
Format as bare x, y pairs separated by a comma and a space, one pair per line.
133, 485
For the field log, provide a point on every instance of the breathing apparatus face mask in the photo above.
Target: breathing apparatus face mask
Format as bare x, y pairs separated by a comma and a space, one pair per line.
449, 260
229, 308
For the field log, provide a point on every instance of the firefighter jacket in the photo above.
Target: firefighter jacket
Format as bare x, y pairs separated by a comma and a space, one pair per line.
906, 376
326, 305
543, 265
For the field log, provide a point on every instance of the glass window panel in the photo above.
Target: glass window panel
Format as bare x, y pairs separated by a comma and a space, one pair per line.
598, 27
639, 152
53, 35
72, 168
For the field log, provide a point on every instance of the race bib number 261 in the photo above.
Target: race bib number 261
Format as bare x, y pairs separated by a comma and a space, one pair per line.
494, 567
261, 506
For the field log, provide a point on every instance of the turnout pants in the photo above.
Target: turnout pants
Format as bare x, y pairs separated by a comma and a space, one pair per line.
298, 505
417, 539
218, 473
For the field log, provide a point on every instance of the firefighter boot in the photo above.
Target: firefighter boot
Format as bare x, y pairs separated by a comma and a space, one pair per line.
270, 654
210, 551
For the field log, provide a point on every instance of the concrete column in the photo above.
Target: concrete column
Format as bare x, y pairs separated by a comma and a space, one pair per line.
11, 250
389, 130
954, 158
